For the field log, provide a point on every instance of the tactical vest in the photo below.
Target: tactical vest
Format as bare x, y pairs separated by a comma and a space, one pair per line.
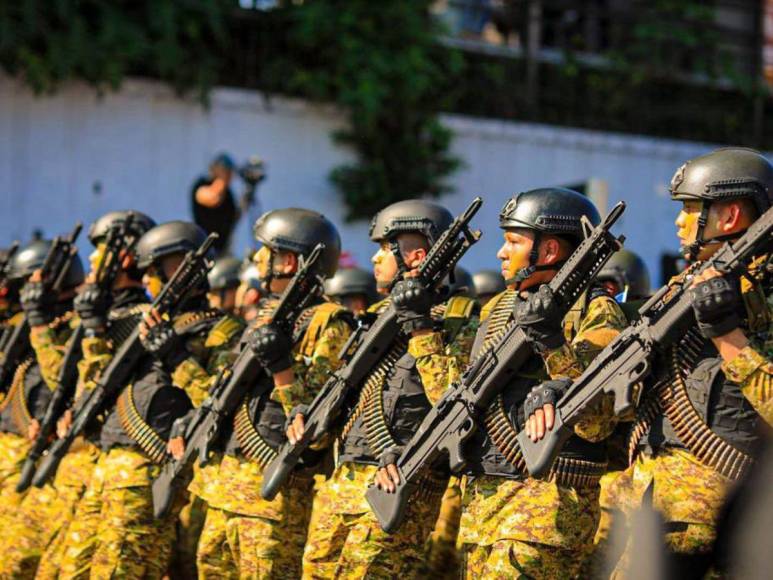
146, 408
692, 405
28, 395
493, 448
392, 402
258, 427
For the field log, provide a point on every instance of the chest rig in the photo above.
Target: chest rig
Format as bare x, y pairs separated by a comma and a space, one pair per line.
693, 406
258, 424
392, 401
570, 469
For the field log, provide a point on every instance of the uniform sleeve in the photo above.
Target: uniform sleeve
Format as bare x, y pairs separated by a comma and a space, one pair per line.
753, 371
312, 372
97, 354
49, 346
603, 321
439, 364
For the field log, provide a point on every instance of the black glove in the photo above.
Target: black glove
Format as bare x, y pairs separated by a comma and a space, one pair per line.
38, 304
165, 345
390, 455
540, 317
412, 301
715, 303
92, 304
272, 347
546, 393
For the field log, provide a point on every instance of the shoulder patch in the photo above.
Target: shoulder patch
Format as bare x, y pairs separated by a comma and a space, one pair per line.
323, 314
460, 307
223, 331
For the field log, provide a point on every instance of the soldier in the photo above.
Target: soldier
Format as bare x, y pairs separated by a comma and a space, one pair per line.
249, 292
715, 407
625, 275
354, 288
42, 518
514, 525
113, 531
50, 318
345, 539
487, 283
245, 535
223, 283
462, 284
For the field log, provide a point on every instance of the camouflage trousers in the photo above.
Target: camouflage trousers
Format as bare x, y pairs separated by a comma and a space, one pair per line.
688, 494
526, 528
13, 451
346, 541
113, 532
442, 556
189, 526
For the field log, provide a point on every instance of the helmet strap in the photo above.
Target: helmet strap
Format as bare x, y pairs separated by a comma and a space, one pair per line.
691, 251
402, 267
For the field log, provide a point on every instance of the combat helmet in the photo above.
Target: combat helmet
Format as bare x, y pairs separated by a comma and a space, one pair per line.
140, 224
628, 271
461, 283
553, 211
225, 273
724, 174
32, 257
488, 283
348, 281
299, 230
166, 239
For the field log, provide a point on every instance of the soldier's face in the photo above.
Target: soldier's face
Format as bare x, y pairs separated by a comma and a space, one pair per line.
96, 257
687, 222
262, 261
514, 253
384, 265
223, 299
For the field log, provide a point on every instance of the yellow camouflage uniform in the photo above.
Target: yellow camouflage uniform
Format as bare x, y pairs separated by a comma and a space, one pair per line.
345, 539
37, 511
686, 490
113, 532
519, 526
245, 536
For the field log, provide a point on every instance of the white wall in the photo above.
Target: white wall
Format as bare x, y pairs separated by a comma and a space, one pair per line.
146, 147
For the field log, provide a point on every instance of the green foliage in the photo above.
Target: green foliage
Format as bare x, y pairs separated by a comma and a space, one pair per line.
47, 42
380, 62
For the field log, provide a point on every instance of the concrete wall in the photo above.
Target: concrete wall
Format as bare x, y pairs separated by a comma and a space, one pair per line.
76, 155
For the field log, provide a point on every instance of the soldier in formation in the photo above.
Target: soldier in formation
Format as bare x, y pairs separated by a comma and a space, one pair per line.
693, 432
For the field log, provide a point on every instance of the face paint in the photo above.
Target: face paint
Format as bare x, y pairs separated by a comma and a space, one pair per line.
687, 222
384, 266
262, 261
514, 254
96, 257
152, 283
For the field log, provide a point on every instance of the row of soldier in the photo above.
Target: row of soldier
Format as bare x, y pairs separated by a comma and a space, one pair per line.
95, 517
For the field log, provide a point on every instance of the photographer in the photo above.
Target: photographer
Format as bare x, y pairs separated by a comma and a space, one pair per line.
212, 199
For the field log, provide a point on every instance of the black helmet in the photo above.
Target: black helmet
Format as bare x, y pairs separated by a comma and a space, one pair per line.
627, 269
724, 174
224, 274
299, 230
99, 229
32, 256
223, 160
168, 238
351, 281
412, 215
555, 211
462, 283
488, 282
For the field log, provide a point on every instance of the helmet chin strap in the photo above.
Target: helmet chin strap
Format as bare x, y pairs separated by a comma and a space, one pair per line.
402, 267
691, 251
531, 267
272, 274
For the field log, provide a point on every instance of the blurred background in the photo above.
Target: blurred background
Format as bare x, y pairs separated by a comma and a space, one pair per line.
352, 105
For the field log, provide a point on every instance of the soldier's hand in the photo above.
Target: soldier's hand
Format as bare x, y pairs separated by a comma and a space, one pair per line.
162, 342
387, 476
64, 423
272, 347
92, 304
714, 301
176, 447
296, 429
33, 430
539, 407
38, 304
412, 301
150, 319
540, 317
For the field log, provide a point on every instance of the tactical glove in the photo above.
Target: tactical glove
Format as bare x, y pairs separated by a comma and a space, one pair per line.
540, 317
389, 456
715, 303
412, 301
546, 393
272, 347
165, 345
38, 304
92, 304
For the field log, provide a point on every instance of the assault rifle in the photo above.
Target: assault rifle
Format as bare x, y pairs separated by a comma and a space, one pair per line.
204, 429
454, 417
119, 239
366, 349
188, 277
52, 274
627, 360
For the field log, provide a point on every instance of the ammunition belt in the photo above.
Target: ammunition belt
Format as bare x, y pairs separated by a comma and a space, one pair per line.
252, 445
123, 322
137, 429
708, 447
645, 415
17, 398
187, 320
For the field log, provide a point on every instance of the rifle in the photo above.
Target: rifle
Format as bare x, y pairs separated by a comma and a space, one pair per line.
118, 240
203, 431
189, 276
454, 417
53, 272
628, 359
366, 349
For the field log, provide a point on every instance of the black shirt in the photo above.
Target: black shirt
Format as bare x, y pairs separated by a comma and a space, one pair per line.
220, 219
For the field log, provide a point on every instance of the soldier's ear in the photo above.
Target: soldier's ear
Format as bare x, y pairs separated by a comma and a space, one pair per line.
550, 250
